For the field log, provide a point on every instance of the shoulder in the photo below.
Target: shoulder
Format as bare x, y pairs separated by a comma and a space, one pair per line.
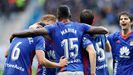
84, 24
114, 36
78, 23
87, 36
38, 37
51, 27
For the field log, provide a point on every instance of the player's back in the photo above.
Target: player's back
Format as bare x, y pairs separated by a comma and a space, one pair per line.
20, 56
99, 45
67, 39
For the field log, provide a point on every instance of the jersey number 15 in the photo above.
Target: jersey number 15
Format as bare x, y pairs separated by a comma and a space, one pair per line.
70, 47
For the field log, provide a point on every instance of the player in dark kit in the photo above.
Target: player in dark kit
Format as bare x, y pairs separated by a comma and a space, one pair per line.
66, 36
47, 19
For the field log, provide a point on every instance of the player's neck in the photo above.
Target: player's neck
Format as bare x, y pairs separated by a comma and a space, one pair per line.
126, 32
65, 21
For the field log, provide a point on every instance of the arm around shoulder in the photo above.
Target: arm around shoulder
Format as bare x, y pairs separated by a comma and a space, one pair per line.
30, 33
98, 30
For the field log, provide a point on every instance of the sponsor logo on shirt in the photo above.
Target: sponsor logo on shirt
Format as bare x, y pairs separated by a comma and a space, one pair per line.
124, 52
15, 66
101, 67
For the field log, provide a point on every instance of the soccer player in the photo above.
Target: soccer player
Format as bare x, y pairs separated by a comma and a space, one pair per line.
50, 54
122, 46
45, 20
99, 42
21, 53
66, 37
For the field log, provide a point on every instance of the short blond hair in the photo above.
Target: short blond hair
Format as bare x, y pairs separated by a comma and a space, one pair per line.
48, 17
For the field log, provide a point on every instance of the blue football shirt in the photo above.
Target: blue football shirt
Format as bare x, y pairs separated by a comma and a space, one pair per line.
50, 55
67, 42
98, 42
122, 52
20, 55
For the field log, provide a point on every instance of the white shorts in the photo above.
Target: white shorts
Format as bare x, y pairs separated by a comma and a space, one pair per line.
71, 73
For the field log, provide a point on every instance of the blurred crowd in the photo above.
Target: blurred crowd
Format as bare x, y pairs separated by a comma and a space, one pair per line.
7, 7
105, 11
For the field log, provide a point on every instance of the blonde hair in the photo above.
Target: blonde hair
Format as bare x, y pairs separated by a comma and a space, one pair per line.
48, 17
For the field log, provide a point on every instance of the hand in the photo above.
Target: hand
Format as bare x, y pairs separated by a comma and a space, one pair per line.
63, 61
35, 26
11, 38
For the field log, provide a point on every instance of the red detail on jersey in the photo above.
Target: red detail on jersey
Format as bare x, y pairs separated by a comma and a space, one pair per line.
31, 60
38, 68
85, 61
125, 37
29, 70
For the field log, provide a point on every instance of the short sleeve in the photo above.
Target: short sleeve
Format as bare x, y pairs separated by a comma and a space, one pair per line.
110, 38
86, 27
86, 41
50, 28
39, 43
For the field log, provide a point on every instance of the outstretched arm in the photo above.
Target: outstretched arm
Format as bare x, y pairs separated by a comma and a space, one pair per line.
29, 33
98, 30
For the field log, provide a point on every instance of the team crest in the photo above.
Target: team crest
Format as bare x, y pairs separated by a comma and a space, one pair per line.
118, 41
131, 43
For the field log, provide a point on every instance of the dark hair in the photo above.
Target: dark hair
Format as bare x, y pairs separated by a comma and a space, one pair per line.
86, 16
63, 11
127, 14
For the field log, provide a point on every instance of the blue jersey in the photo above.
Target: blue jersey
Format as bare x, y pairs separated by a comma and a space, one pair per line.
122, 52
20, 55
98, 42
67, 42
50, 55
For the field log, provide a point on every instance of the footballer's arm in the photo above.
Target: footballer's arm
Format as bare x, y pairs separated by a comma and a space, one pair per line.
108, 46
92, 57
6, 53
30, 33
43, 61
98, 30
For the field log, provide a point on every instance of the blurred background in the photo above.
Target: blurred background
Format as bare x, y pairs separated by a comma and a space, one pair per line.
17, 15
